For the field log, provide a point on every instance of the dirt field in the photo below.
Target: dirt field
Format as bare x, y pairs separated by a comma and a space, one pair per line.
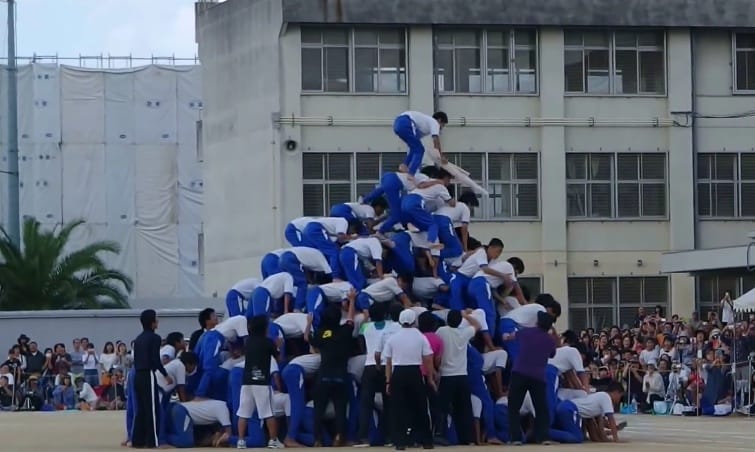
103, 431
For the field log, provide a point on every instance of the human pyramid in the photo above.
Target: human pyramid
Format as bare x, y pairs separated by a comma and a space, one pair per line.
401, 257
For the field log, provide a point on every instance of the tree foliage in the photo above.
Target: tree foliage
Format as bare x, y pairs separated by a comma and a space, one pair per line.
43, 275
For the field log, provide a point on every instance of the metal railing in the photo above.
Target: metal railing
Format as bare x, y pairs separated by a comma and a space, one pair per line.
105, 61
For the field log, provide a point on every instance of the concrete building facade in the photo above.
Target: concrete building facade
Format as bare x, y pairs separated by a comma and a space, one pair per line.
608, 133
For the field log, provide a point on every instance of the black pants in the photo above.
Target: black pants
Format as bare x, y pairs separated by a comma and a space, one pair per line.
147, 417
518, 388
456, 400
330, 390
373, 382
409, 410
438, 421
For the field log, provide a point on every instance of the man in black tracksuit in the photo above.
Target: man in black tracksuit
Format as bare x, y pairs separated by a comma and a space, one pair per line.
147, 361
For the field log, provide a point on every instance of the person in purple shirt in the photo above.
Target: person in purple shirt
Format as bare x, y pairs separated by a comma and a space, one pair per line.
528, 374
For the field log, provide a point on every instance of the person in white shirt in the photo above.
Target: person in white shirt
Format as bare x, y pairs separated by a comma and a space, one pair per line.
292, 324
352, 254
209, 346
318, 298
298, 260
294, 229
211, 412
240, 293
91, 366
598, 408
653, 386
651, 352
574, 381
445, 218
384, 291
473, 262
88, 399
178, 370
273, 297
431, 291
411, 127
326, 234
405, 351
418, 205
373, 378
727, 309
362, 216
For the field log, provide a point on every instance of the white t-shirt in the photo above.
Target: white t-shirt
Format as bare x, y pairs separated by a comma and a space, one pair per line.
459, 214
177, 371
107, 360
424, 124
390, 329
435, 196
362, 211
334, 225
246, 286
311, 259
168, 350
727, 311
279, 251
302, 222
499, 266
419, 240
425, 288
384, 290
373, 341
233, 327
336, 291
474, 263
594, 405
208, 412
526, 316
407, 347
455, 343
90, 360
87, 393
647, 356
410, 185
367, 247
309, 363
566, 359
278, 285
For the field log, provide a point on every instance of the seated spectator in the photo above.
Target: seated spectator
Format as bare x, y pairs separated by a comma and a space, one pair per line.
14, 365
32, 395
653, 388
651, 352
668, 349
6, 394
87, 398
114, 396
64, 395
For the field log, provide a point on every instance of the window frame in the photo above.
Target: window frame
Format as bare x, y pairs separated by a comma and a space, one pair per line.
616, 303
734, 50
738, 288
615, 182
612, 64
511, 46
738, 182
484, 208
352, 63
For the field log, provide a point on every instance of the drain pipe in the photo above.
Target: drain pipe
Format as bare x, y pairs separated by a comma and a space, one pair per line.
695, 139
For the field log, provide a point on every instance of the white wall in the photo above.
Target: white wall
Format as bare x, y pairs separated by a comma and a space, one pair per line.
119, 150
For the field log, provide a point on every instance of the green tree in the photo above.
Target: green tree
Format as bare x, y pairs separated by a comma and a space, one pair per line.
40, 275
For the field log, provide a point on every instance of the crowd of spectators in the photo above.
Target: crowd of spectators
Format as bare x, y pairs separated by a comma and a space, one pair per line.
64, 379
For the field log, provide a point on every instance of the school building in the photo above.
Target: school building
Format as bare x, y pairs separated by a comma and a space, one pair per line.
617, 139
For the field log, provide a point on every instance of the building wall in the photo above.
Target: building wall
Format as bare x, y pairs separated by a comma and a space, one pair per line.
555, 247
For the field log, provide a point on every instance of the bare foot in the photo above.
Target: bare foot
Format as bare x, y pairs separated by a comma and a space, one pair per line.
221, 441
494, 441
126, 443
402, 168
289, 442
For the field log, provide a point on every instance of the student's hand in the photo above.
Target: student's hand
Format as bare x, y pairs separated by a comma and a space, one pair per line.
388, 388
443, 160
169, 380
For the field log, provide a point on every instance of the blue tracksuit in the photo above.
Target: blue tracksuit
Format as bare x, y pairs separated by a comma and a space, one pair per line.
316, 305
209, 359
290, 264
413, 211
292, 235
234, 303
401, 257
270, 265
480, 292
293, 378
315, 236
130, 403
352, 268
459, 284
391, 187
508, 326
260, 304
444, 231
255, 435
407, 130
478, 388
346, 212
180, 428
567, 427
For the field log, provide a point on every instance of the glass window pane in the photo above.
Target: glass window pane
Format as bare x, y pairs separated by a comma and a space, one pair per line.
747, 163
748, 199
445, 70
600, 167
525, 166
653, 166
467, 38
312, 195
725, 168
596, 39
339, 166
498, 38
335, 36
533, 284
392, 71
573, 71
596, 62
745, 40
626, 39
576, 166
600, 200
578, 318
704, 164
627, 167
629, 200
368, 166
444, 37
365, 69
653, 200
742, 72
472, 162
336, 69
499, 167
391, 161
630, 291
527, 200
577, 289
311, 69
576, 200
703, 199
312, 166
311, 36
526, 62
655, 291
573, 38
338, 194
652, 73
603, 290
500, 200
626, 72
602, 317
365, 37
392, 36
650, 38
468, 71
498, 70
723, 199
524, 37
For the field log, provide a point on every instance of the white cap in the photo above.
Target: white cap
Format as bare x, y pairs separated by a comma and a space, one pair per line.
407, 317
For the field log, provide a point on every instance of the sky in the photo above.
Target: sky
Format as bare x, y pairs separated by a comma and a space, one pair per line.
70, 28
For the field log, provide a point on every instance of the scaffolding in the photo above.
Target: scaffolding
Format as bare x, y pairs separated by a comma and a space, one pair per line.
105, 61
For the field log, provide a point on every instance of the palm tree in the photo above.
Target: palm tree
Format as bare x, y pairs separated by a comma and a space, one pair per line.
41, 276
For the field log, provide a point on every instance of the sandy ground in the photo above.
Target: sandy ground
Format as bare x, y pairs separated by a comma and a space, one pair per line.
103, 431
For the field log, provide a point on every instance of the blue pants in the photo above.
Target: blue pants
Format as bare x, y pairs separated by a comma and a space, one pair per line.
255, 434
260, 304
567, 427
274, 332
478, 388
445, 232
413, 211
401, 257
459, 284
270, 265
209, 360
293, 379
130, 403
180, 428
363, 302
316, 305
391, 187
290, 264
480, 292
352, 268
345, 212
508, 326
405, 128
315, 236
292, 235
444, 272
502, 422
234, 303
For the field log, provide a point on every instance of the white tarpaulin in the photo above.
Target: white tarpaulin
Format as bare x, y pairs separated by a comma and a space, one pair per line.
745, 303
118, 149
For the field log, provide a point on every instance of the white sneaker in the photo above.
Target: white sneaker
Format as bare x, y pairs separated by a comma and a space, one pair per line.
275, 444
241, 444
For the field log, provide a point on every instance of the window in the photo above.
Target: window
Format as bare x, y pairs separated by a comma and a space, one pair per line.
486, 61
710, 290
615, 63
343, 60
532, 283
726, 185
744, 61
621, 185
511, 179
606, 301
